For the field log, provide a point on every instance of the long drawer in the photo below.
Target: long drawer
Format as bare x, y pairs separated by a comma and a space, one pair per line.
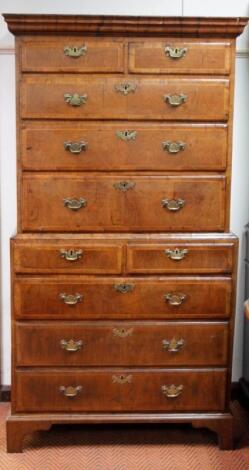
120, 390
109, 297
121, 343
69, 203
111, 254
124, 146
80, 97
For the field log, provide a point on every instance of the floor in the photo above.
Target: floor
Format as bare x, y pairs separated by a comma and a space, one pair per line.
157, 447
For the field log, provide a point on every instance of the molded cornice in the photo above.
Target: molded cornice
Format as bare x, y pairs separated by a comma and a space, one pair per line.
125, 25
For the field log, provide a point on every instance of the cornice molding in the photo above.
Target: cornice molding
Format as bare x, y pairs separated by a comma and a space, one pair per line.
126, 25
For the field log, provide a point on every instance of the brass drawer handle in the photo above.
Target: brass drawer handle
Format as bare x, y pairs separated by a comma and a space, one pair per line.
173, 204
174, 298
73, 51
75, 204
124, 185
124, 288
71, 255
74, 99
172, 391
122, 379
70, 391
71, 299
174, 345
176, 254
126, 135
173, 147
175, 52
125, 88
175, 100
122, 332
76, 147
71, 345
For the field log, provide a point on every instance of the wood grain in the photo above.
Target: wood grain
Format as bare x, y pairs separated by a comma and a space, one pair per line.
109, 209
36, 297
122, 343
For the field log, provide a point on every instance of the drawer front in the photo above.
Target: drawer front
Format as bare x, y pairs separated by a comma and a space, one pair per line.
121, 344
179, 257
181, 57
120, 390
49, 97
182, 297
123, 146
136, 203
75, 54
70, 257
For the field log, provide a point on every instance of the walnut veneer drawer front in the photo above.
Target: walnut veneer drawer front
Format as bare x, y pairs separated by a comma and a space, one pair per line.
123, 146
74, 54
180, 57
148, 297
65, 202
121, 344
120, 390
179, 257
79, 97
75, 256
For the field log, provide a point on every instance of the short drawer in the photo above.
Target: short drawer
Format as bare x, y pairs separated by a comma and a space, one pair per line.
153, 258
79, 97
123, 146
75, 54
120, 390
67, 256
70, 202
109, 297
181, 57
121, 344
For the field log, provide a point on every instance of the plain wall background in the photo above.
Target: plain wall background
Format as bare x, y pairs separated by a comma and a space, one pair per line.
240, 186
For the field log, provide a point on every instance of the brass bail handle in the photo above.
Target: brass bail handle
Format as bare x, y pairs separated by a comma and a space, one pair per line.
71, 254
70, 391
74, 99
71, 345
74, 51
172, 391
175, 298
175, 52
174, 345
173, 147
176, 254
75, 204
76, 147
173, 205
175, 100
71, 299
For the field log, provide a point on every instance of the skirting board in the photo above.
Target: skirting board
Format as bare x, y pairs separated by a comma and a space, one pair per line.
237, 390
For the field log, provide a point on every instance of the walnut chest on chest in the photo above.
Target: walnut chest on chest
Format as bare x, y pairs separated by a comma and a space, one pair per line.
123, 267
